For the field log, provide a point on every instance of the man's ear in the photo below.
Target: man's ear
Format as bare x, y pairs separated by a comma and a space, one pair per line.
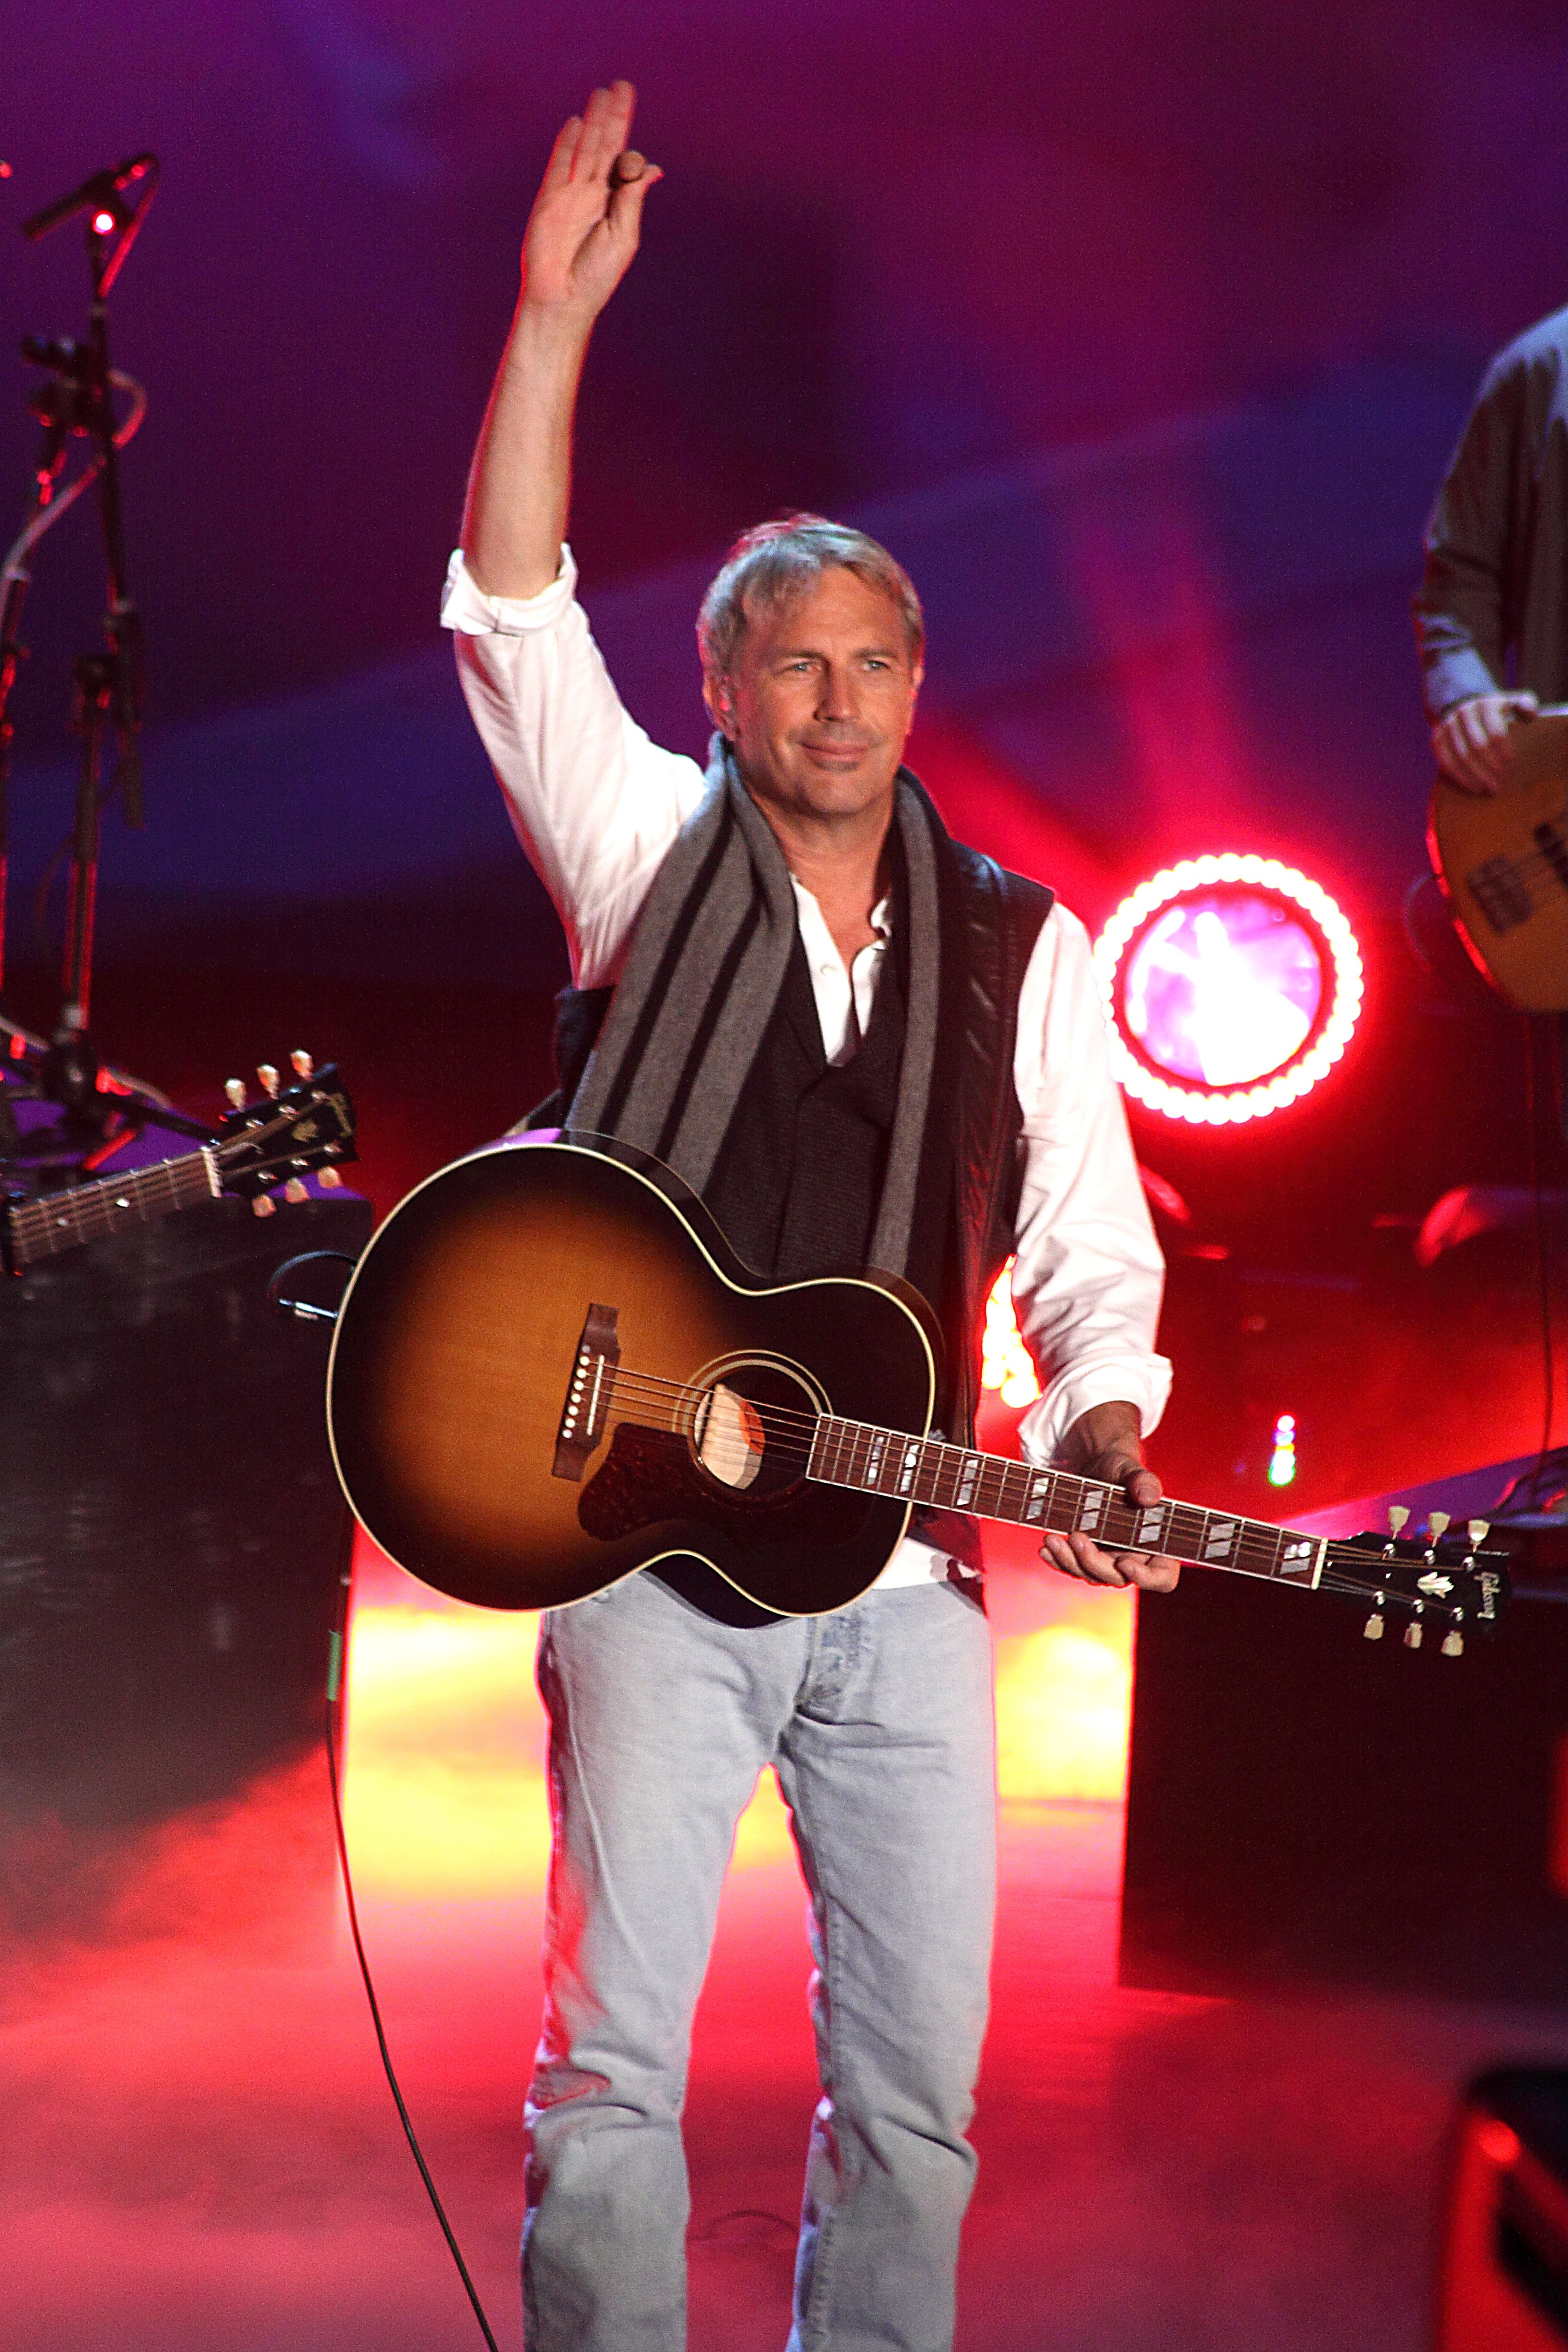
720, 702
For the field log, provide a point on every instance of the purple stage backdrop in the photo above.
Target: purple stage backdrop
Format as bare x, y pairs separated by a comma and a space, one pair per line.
1142, 329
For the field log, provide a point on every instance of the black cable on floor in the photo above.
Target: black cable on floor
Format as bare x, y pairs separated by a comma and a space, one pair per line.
334, 1717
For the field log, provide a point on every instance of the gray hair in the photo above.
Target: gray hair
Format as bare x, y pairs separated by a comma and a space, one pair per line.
771, 566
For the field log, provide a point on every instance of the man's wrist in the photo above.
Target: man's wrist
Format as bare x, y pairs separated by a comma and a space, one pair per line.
1099, 1427
551, 331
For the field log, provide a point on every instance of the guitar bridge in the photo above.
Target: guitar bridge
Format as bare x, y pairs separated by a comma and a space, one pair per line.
587, 1405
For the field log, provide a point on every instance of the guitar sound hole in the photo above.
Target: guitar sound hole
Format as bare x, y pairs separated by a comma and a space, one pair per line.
751, 1428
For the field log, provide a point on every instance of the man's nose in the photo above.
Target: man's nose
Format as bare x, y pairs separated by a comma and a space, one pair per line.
835, 699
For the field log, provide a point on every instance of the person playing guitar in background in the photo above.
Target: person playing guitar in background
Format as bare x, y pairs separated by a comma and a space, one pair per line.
1491, 613
859, 1042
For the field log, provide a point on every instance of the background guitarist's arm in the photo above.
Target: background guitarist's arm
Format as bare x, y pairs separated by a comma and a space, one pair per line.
1471, 619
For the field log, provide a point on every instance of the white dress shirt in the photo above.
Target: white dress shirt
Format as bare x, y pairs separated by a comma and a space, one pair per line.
596, 804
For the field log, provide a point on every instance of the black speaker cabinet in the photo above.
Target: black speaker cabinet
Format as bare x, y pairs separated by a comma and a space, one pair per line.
170, 1535
1503, 2283
1307, 1807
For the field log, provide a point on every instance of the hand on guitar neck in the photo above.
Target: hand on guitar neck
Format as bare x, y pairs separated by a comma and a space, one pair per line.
1471, 741
1105, 1443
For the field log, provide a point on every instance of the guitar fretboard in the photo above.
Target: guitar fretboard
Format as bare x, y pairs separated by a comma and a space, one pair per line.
952, 1478
42, 1228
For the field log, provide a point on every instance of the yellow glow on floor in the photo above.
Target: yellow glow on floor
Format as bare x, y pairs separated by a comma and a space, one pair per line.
444, 1783
444, 1794
1063, 1702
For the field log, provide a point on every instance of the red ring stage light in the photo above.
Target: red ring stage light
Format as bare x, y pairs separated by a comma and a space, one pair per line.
1231, 984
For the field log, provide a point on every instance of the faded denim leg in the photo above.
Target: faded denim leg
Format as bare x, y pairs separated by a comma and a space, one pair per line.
660, 1722
879, 1720
888, 1767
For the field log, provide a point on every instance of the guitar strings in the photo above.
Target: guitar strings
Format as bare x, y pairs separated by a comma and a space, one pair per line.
658, 1390
1342, 1574
1521, 868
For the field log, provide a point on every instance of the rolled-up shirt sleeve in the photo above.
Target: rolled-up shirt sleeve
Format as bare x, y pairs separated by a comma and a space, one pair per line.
594, 801
1088, 1276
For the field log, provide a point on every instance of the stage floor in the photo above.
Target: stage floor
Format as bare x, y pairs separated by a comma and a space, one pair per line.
201, 2153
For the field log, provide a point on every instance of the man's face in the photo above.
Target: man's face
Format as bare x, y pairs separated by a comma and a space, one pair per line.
820, 700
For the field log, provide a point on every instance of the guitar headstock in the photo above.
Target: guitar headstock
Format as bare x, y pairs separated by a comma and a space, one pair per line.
284, 1134
1446, 1580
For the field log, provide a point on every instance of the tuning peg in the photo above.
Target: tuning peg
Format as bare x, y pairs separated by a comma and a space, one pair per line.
1413, 1634
296, 1190
1374, 1628
304, 1064
1439, 1524
330, 1178
1478, 1529
267, 1075
263, 1206
235, 1089
1454, 1644
1397, 1516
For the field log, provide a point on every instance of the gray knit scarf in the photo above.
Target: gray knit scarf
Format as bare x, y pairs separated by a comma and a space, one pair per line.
707, 964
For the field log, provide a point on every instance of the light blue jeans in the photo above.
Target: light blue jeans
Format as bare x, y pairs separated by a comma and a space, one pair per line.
878, 1720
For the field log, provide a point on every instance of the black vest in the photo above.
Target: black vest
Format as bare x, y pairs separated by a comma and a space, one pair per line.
797, 1181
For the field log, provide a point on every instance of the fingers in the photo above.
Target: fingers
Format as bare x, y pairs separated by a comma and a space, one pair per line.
606, 120
1140, 1486
1079, 1556
1471, 740
563, 155
631, 177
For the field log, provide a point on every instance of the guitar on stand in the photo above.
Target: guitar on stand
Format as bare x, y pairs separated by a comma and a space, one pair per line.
549, 1370
277, 1142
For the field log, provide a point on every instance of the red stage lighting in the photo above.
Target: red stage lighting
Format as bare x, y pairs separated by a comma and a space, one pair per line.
1232, 985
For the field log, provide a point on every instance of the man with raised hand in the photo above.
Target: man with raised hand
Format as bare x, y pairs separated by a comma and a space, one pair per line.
860, 1042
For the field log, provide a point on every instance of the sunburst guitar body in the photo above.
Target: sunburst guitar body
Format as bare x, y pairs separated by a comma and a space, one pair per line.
466, 1323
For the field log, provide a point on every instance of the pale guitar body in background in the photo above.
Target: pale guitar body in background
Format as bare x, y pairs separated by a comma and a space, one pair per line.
1502, 860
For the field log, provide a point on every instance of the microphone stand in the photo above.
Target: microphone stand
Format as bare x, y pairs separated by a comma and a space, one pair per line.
56, 411
108, 685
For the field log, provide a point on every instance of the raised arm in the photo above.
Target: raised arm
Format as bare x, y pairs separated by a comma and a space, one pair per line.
579, 242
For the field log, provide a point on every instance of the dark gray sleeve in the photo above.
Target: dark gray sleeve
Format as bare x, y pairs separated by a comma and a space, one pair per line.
1463, 618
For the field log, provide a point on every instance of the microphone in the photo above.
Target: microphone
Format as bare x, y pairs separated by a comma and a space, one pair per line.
101, 189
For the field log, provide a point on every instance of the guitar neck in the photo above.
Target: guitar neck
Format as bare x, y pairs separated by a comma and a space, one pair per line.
952, 1478
43, 1228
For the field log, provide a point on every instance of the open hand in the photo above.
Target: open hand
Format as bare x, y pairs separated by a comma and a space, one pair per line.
1471, 739
1104, 1442
587, 217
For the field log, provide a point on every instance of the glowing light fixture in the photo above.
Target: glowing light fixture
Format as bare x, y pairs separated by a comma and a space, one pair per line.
1282, 1459
1005, 1362
1232, 985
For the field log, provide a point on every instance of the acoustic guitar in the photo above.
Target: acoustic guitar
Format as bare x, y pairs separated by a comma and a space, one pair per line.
1502, 860
549, 1370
